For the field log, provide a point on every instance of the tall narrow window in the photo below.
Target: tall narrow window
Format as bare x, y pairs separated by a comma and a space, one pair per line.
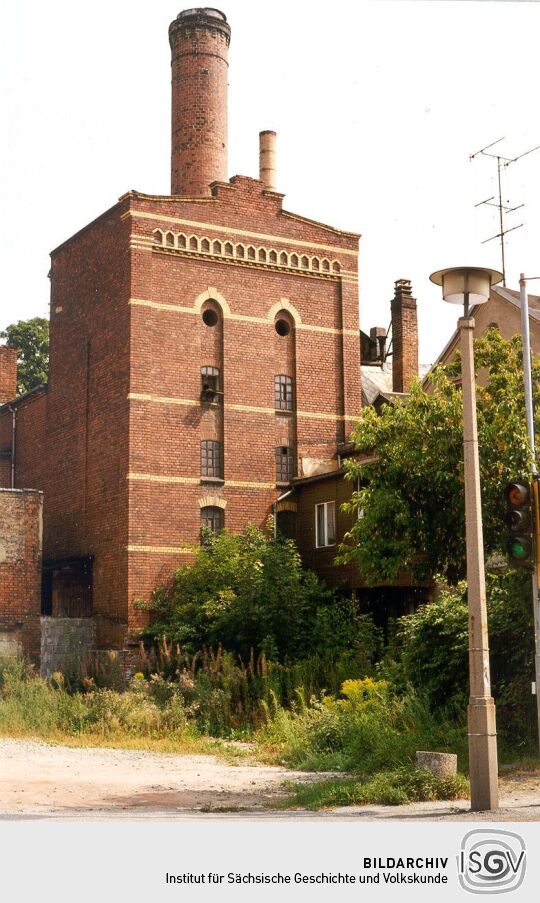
210, 384
211, 459
284, 464
283, 393
212, 518
325, 524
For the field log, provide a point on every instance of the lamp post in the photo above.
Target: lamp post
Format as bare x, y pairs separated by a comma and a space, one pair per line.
470, 286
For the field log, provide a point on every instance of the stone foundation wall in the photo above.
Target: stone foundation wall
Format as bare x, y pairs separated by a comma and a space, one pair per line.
65, 642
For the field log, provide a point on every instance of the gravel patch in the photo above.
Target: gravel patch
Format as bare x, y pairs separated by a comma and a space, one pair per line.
41, 780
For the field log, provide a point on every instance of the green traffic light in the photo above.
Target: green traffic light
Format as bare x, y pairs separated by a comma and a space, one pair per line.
518, 550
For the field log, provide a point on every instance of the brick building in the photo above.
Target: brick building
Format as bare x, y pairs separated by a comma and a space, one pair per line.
204, 352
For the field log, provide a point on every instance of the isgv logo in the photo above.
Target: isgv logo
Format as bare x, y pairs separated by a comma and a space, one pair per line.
491, 862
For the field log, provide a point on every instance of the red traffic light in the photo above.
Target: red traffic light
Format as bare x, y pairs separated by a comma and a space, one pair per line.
517, 494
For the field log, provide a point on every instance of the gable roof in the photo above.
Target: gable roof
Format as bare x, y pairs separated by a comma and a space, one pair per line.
508, 295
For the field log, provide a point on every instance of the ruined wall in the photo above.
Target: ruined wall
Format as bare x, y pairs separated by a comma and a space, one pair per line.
20, 571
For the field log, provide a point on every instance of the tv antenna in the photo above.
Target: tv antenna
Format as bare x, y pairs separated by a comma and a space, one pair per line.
494, 201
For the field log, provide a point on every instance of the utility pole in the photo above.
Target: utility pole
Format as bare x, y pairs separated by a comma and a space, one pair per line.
529, 414
458, 284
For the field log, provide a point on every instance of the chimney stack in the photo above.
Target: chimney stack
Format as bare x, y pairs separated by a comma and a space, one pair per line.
8, 373
267, 160
199, 40
404, 336
377, 335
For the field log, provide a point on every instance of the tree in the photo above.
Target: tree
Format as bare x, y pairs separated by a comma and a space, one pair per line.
412, 497
431, 651
248, 591
31, 339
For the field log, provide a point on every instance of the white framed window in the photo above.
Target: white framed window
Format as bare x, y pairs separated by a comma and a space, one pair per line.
325, 524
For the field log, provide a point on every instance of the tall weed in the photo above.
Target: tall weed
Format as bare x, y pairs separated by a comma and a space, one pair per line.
367, 728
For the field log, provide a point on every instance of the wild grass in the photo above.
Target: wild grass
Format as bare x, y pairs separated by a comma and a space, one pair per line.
365, 729
388, 788
150, 715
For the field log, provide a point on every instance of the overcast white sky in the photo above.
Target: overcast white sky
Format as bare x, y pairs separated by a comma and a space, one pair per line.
377, 106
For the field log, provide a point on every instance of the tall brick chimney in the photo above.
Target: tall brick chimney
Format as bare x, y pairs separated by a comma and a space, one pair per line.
404, 336
199, 40
8, 373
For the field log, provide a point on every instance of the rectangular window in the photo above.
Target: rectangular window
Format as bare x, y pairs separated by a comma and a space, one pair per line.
283, 393
210, 384
325, 524
284, 464
211, 459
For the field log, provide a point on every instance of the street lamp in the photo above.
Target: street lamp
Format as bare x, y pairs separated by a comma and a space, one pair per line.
471, 286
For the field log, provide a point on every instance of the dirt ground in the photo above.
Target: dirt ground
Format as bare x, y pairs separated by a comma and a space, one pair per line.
38, 780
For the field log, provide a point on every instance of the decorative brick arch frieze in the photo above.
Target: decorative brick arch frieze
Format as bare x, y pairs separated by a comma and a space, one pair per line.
212, 501
245, 254
212, 294
285, 304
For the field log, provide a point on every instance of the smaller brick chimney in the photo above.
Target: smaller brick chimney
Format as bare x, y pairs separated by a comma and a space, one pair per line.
8, 373
267, 159
404, 336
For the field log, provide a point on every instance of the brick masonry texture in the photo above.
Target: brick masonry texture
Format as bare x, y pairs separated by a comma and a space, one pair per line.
119, 430
199, 42
404, 338
115, 442
8, 373
20, 570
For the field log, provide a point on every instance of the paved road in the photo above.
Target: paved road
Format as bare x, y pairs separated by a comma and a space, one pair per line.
41, 781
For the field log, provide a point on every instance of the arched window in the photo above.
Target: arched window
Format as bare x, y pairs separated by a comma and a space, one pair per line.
283, 393
213, 519
284, 463
211, 465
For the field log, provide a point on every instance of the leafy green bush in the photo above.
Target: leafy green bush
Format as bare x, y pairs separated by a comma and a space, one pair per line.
431, 654
248, 591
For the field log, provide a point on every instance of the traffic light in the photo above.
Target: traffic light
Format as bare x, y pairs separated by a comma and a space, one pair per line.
519, 541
